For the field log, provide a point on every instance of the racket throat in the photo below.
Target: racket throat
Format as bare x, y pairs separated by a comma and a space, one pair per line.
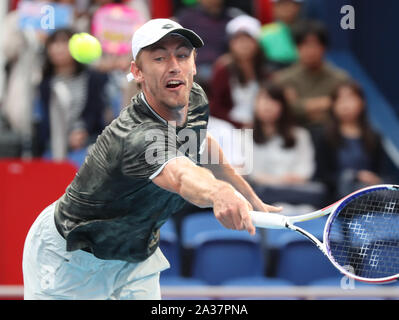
308, 235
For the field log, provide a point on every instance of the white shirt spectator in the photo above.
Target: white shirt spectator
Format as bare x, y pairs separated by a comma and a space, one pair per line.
229, 139
273, 159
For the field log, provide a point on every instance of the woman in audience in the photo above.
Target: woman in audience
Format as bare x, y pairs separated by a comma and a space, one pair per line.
350, 155
283, 153
71, 101
236, 75
283, 156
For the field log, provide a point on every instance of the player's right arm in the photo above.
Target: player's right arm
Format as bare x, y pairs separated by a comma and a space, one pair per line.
200, 187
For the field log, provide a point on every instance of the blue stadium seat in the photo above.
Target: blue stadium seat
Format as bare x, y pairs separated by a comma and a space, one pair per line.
220, 255
195, 224
301, 262
170, 247
168, 228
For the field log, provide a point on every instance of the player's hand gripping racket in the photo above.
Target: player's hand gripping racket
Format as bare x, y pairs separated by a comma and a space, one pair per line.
361, 235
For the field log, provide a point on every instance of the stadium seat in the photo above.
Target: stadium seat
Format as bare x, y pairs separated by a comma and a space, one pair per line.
170, 247
300, 262
195, 224
191, 225
276, 239
220, 255
26, 187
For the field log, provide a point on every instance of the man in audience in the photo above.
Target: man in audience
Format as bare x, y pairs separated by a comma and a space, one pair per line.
287, 11
276, 38
309, 82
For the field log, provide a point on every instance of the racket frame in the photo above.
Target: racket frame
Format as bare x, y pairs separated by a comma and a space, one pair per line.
279, 221
335, 210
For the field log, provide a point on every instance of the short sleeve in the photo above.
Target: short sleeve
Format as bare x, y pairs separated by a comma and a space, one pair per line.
147, 149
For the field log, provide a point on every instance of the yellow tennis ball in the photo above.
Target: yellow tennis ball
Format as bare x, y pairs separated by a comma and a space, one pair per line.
84, 48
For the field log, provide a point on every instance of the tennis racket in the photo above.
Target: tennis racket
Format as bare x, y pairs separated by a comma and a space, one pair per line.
361, 235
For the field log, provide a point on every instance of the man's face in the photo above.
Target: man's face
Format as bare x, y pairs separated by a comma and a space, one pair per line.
166, 71
286, 11
311, 52
212, 6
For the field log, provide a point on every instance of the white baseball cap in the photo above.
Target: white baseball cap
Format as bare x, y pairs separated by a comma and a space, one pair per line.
154, 30
244, 23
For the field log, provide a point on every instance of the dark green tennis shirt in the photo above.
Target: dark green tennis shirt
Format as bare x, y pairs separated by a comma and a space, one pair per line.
112, 208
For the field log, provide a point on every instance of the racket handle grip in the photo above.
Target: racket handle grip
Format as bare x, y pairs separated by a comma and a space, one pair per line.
268, 220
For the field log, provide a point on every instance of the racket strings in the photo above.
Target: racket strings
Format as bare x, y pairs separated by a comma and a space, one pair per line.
363, 235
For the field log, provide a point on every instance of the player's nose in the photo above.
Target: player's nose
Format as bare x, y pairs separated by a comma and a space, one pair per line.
174, 66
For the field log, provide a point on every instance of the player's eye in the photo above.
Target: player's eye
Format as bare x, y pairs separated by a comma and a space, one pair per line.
159, 59
182, 55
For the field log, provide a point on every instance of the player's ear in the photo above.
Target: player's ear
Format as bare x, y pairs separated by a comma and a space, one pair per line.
195, 58
136, 71
194, 70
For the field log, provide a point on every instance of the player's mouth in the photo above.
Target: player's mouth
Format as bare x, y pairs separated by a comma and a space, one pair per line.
174, 84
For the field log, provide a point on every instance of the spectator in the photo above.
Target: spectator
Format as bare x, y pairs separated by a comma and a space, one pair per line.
71, 100
22, 46
350, 154
229, 140
310, 82
87, 11
142, 6
288, 12
117, 64
209, 19
22, 52
118, 89
277, 37
236, 74
283, 154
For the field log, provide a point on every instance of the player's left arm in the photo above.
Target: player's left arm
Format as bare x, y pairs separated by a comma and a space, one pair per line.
222, 170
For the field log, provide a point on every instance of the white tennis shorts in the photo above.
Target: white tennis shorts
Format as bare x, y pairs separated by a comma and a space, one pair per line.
50, 272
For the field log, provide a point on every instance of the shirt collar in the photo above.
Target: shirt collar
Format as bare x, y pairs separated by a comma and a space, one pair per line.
142, 96
153, 112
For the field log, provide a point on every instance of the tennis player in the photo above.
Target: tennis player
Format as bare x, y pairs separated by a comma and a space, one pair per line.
100, 240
